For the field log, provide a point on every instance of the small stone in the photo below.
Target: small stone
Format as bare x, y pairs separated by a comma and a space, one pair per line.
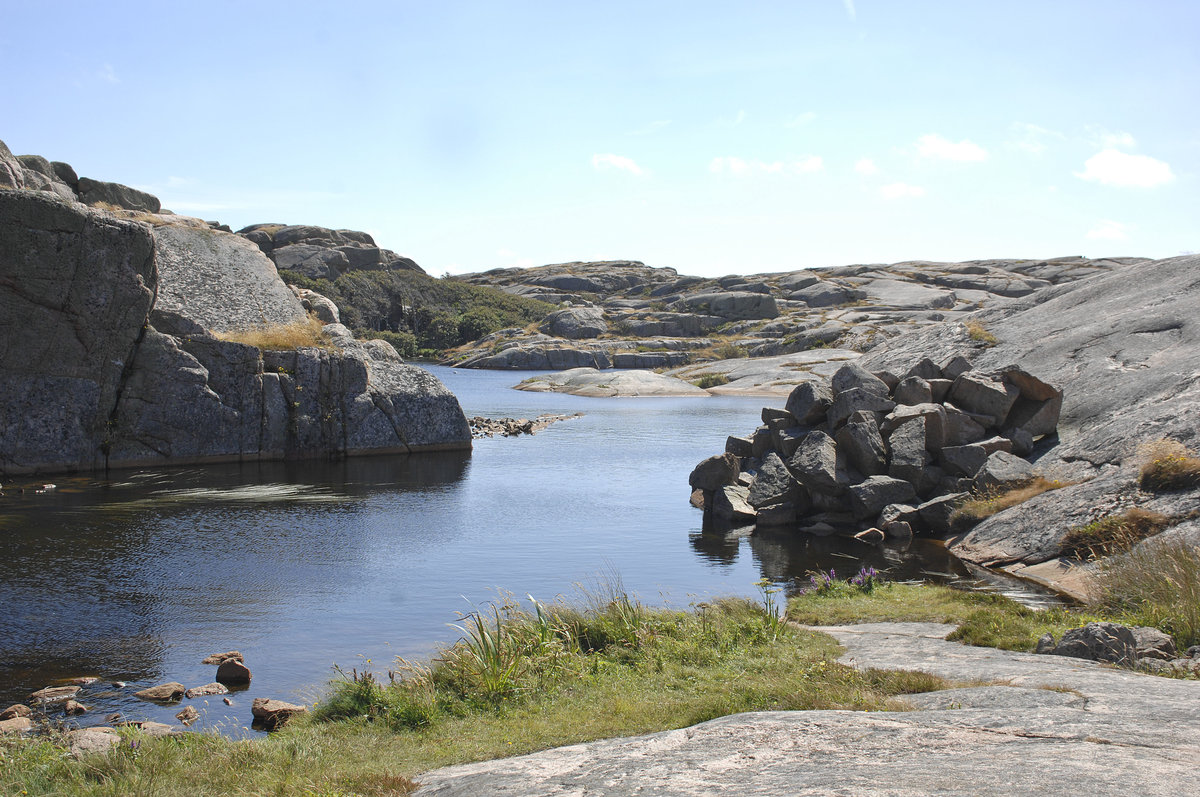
1045, 643
163, 692
16, 725
233, 671
53, 694
221, 658
206, 690
89, 741
274, 713
73, 708
187, 715
227, 701
898, 530
118, 684
113, 718
16, 710
86, 681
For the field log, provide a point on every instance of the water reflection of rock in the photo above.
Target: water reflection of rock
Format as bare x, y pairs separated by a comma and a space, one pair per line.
98, 574
790, 558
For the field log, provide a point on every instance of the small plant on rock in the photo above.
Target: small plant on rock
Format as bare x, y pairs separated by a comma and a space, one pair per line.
1113, 534
1168, 465
977, 332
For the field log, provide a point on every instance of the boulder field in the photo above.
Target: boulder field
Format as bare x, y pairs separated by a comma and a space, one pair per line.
1068, 383
114, 349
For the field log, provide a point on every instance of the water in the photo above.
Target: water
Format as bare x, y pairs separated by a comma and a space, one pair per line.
300, 566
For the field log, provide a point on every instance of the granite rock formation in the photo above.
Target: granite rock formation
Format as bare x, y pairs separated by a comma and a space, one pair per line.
112, 350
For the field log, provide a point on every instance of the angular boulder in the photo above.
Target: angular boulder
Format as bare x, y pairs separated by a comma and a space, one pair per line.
274, 713
1107, 642
869, 497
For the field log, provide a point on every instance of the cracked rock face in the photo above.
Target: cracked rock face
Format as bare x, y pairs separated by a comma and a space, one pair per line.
109, 354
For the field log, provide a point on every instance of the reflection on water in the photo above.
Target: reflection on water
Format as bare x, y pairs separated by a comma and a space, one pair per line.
138, 576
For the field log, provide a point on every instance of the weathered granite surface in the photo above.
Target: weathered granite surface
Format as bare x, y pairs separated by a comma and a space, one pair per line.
764, 315
609, 384
1109, 732
111, 355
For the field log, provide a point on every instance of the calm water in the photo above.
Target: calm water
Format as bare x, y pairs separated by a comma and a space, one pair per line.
139, 576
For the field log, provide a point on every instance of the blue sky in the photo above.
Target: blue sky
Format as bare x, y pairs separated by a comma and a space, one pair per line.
716, 138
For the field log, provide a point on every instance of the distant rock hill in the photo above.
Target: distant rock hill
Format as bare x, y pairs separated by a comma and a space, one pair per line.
119, 342
625, 314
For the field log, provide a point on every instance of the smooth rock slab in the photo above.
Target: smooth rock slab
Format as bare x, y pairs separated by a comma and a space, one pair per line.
1116, 729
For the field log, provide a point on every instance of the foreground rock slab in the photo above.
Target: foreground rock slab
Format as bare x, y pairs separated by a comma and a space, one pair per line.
1112, 730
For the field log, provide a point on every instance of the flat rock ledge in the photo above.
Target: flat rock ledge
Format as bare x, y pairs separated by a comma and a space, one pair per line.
610, 384
1062, 724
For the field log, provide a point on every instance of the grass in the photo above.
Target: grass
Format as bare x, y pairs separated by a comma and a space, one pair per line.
1157, 584
520, 680
1168, 465
977, 332
983, 506
711, 380
1113, 534
307, 333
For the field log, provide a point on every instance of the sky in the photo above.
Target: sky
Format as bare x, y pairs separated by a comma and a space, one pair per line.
715, 138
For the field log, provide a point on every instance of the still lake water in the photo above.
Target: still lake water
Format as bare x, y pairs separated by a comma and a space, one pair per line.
138, 576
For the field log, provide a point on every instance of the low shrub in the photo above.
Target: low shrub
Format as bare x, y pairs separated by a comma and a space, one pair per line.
1113, 534
1168, 465
983, 506
711, 380
308, 333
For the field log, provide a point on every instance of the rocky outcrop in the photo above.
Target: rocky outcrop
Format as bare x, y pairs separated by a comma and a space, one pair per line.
322, 253
111, 352
607, 384
865, 450
765, 315
1085, 727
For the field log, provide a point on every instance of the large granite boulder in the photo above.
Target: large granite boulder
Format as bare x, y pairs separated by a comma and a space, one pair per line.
732, 305
76, 288
95, 192
95, 371
575, 323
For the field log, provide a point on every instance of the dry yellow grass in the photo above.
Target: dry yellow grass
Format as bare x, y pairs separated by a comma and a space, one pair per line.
1113, 534
984, 506
308, 333
979, 333
1168, 465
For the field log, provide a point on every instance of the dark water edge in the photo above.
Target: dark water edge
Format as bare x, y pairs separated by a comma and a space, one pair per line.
138, 575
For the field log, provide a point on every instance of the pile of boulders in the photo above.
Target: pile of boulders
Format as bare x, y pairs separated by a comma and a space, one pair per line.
1140, 647
879, 454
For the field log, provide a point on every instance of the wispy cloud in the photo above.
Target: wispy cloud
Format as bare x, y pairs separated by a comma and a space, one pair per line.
604, 161
1113, 167
108, 74
740, 167
800, 120
850, 10
1109, 139
1031, 137
653, 127
934, 146
901, 191
1107, 229
866, 166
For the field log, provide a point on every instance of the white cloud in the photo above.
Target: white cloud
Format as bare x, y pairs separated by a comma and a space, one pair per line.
611, 161
108, 74
741, 167
1110, 230
934, 146
801, 120
1113, 167
849, 4
1108, 139
866, 166
901, 191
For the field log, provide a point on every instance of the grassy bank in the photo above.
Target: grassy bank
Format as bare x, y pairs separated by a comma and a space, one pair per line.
529, 677
520, 680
